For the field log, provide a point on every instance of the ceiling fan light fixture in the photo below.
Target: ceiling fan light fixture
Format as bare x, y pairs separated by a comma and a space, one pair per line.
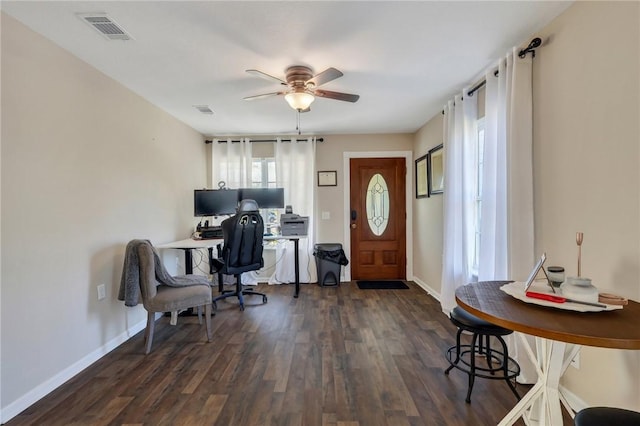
299, 100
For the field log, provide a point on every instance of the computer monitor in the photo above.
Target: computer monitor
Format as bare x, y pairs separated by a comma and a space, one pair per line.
267, 198
215, 202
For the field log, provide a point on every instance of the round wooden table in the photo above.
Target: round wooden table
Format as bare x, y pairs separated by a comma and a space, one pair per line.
553, 329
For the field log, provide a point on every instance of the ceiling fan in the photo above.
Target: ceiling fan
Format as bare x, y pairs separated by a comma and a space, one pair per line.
302, 87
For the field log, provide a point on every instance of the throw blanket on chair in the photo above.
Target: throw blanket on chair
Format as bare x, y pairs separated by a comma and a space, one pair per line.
130, 281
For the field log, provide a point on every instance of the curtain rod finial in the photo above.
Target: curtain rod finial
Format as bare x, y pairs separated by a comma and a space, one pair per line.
535, 43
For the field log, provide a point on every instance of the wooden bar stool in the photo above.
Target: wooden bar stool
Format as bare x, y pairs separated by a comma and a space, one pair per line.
463, 357
606, 416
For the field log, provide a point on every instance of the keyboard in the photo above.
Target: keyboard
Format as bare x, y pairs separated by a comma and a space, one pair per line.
211, 233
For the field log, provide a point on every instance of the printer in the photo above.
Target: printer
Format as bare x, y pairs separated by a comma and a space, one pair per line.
292, 225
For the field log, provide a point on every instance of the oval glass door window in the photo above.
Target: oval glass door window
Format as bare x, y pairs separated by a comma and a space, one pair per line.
377, 200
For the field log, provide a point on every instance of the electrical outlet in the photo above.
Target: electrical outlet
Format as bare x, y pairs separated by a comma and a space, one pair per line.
575, 362
102, 291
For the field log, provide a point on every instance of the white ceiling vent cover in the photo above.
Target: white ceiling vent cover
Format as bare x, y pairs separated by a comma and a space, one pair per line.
106, 26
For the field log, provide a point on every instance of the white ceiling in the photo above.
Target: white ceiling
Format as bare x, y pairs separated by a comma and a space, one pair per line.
404, 59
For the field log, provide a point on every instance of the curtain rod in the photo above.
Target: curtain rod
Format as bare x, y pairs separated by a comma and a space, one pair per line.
259, 140
535, 43
480, 85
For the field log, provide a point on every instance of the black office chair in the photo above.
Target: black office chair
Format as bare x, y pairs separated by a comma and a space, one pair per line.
242, 249
606, 416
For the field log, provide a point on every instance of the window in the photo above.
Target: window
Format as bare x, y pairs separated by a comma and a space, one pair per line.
263, 175
479, 163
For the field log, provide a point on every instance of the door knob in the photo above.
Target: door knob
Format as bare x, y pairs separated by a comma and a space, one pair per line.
353, 226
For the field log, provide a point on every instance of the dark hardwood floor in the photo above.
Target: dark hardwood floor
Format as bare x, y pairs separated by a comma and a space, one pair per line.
334, 356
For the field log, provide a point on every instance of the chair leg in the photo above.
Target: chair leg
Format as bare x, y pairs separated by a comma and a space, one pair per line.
457, 352
488, 355
239, 292
151, 323
199, 315
505, 367
207, 320
247, 292
472, 371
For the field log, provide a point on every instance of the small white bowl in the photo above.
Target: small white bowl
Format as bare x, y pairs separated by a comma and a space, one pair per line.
579, 281
581, 289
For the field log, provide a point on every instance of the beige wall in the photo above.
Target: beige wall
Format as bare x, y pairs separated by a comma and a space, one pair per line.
586, 162
86, 166
427, 217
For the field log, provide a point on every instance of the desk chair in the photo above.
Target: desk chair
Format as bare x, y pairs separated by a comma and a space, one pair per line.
242, 249
606, 416
144, 277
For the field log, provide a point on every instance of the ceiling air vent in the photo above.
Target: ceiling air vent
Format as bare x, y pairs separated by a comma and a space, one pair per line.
106, 26
203, 109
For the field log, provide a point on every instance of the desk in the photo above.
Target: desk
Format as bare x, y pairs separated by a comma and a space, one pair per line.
553, 329
296, 255
189, 244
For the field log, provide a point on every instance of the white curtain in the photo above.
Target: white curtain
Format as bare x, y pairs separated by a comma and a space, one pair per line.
295, 171
460, 138
507, 224
231, 163
507, 246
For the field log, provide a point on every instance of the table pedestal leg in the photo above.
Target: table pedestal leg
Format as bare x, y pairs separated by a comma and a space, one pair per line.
541, 405
188, 262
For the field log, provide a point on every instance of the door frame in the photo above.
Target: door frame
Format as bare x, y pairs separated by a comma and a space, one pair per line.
346, 176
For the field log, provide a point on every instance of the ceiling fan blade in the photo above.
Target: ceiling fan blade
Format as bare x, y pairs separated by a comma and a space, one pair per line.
337, 95
267, 76
264, 95
325, 76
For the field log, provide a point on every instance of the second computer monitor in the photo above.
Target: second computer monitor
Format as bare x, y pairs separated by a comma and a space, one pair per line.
215, 202
267, 198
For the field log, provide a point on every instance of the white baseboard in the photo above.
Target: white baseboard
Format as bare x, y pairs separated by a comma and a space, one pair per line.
40, 391
426, 288
573, 400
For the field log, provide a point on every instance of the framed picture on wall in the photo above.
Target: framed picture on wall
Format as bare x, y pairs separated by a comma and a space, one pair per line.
328, 178
421, 177
435, 170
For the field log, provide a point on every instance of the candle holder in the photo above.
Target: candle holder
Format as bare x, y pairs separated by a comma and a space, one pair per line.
579, 239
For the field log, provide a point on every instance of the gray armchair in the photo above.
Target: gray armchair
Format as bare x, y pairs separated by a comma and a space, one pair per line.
145, 278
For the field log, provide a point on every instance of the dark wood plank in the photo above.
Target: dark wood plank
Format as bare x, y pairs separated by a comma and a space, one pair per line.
336, 356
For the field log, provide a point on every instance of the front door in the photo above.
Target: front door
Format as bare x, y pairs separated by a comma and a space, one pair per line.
377, 218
